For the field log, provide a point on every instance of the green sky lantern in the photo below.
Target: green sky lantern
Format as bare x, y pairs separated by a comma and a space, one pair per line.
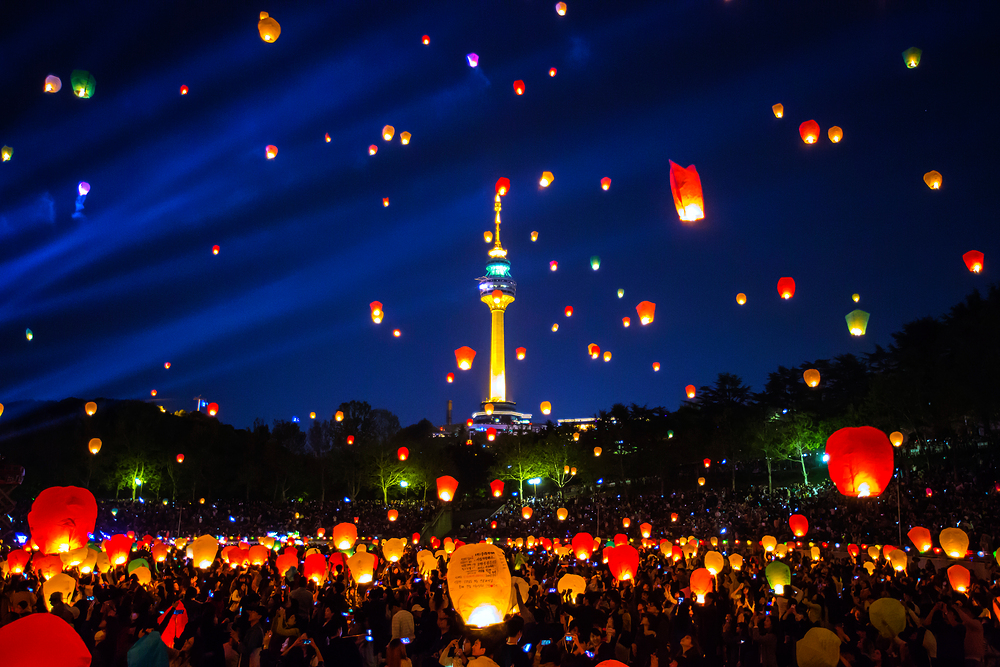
778, 576
857, 322
621, 293
83, 83
595, 262
6, 153
911, 57
29, 334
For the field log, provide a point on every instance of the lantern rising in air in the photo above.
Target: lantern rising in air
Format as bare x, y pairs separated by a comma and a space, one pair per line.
473, 60
520, 352
519, 87
184, 90
83, 83
388, 132
546, 179
857, 322
94, 445
426, 40
786, 288
404, 138
213, 409
933, 179
496, 488
690, 391
215, 250
594, 351
973, 260
545, 407
811, 377
52, 84
778, 109
271, 151
607, 355
626, 322
377, 313
561, 8
268, 28
605, 183
372, 149
685, 185
449, 378
809, 131
552, 71
6, 153
656, 366
446, 486
911, 57
896, 438
568, 311
835, 134
646, 311
403, 453
741, 298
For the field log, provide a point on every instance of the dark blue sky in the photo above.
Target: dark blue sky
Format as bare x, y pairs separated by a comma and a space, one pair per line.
278, 323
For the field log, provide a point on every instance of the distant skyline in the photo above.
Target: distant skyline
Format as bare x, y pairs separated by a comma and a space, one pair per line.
277, 324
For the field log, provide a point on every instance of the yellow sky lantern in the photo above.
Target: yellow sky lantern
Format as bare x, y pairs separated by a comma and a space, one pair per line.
388, 132
911, 57
377, 312
339, 416
545, 407
362, 565
778, 109
835, 134
479, 584
714, 562
404, 138
268, 28
701, 481
555, 327
6, 153
546, 179
811, 377
933, 179
954, 541
856, 297
769, 542
345, 535
607, 355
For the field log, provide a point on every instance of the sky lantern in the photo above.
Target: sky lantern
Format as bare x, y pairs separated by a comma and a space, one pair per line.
404, 138
778, 576
377, 312
809, 131
561, 8
778, 109
911, 57
393, 549
545, 407
520, 352
258, 554
5, 155
526, 512
271, 151
595, 262
646, 529
933, 179
736, 561
702, 579
61, 517
166, 365
28, 333
339, 416
959, 578
488, 409
503, 187
268, 28
954, 541
857, 322
314, 568
52, 84
553, 265
896, 438
312, 415
626, 522
597, 451
811, 376
449, 378
646, 311
388, 132
397, 333
94, 445
90, 408
83, 83
215, 250
974, 260
519, 87
546, 179
403, 453
159, 552
42, 639
464, 356
568, 311
583, 545
921, 538
488, 238
799, 525
152, 392
741, 298
350, 439
385, 202
605, 183
446, 486
861, 461
707, 463
345, 535
552, 71
835, 134
392, 515
479, 584
496, 487
701, 481
180, 458
623, 561
690, 391
594, 351
473, 59
685, 184
213, 409
562, 514
117, 548
786, 288
818, 648
362, 565
83, 188
288, 559
856, 297
184, 90
607, 355
204, 550
576, 438
426, 40
888, 616
327, 137
372, 149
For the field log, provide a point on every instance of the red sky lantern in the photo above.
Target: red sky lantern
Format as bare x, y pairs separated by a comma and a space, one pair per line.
503, 186
799, 525
656, 366
626, 321
180, 458
526, 512
213, 409
392, 515
61, 517
690, 391
594, 351
426, 39
117, 547
685, 184
520, 352
496, 486
403, 453
583, 545
350, 439
288, 559
959, 578
974, 260
372, 149
271, 151
809, 131
377, 312
623, 561
569, 311
184, 90
491, 434
17, 560
707, 462
464, 356
605, 183
42, 639
552, 71
786, 288
861, 461
446, 487
646, 311
449, 378
701, 583
519, 87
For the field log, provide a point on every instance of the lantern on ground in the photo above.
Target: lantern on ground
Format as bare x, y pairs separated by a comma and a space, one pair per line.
479, 584
809, 131
799, 525
464, 356
921, 538
685, 185
778, 109
362, 565
778, 576
911, 57
61, 518
811, 377
973, 260
623, 561
933, 179
701, 583
446, 486
857, 322
268, 28
954, 541
646, 311
860, 461
345, 535
786, 288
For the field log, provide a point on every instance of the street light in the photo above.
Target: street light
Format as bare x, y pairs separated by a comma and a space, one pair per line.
535, 481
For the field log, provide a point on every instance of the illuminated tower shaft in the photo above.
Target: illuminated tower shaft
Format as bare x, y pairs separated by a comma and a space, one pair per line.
496, 290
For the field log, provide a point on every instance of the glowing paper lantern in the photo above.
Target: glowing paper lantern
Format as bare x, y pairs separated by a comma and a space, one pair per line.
534, 236
388, 132
546, 179
258, 554
314, 568
685, 184
52, 84
213, 409
594, 351
799, 525
464, 356
561, 8
911, 57
562, 514
35, 640
818, 648
701, 481
552, 71
449, 378
479, 583
519, 87
526, 512
626, 322
888, 616
896, 438
488, 238
152, 393
595, 262
372, 149
184, 90
545, 407
656, 366
568, 311
714, 563
736, 561
857, 322
404, 138
835, 134
520, 352
27, 332
426, 39
403, 453
741, 298
860, 461
707, 463
90, 408
392, 515
690, 391
811, 377
954, 541
397, 333
83, 83
921, 538
856, 297
94, 445
385, 201
583, 545
897, 559
17, 560
180, 458
491, 434
597, 451
327, 137
215, 250
778, 576
786, 288
61, 517
646, 311
623, 561
809, 131
345, 535
958, 577
974, 260
350, 439
778, 109
271, 151
268, 28
339, 416
553, 265
288, 559
933, 179
605, 183
473, 60
393, 549
446, 486
203, 551
362, 565
117, 548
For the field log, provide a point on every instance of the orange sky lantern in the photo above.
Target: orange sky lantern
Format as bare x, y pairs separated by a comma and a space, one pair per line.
701, 583
786, 288
488, 238
94, 445
861, 461
933, 179
546, 179
268, 28
271, 151
690, 391
350, 439
607, 355
526, 512
597, 451
339, 416
959, 578
626, 322
974, 260
954, 542
464, 356
646, 311
180, 458
741, 298
583, 545
921, 538
488, 409
656, 366
388, 132
835, 134
896, 438
562, 514
779, 110
404, 138
90, 408
811, 377
809, 131
117, 548
685, 184
594, 351
646, 529
446, 487
552, 71
426, 39
626, 522
623, 561
392, 515
545, 407
605, 183
377, 312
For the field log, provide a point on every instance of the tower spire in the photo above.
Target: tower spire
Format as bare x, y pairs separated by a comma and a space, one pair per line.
497, 250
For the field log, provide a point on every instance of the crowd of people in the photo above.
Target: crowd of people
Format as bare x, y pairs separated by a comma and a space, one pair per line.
253, 615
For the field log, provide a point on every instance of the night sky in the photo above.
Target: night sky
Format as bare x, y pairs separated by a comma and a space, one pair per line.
277, 325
